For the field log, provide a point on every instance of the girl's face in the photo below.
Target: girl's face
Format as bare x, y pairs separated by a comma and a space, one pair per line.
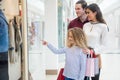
70, 38
91, 15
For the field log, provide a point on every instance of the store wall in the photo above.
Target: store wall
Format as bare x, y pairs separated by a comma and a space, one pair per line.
112, 18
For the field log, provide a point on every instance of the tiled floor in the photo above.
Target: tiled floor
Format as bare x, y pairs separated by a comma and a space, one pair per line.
110, 69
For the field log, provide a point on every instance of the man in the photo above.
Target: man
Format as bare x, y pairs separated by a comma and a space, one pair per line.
3, 46
81, 16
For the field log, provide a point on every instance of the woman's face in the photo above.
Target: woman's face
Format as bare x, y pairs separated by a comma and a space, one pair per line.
91, 15
70, 38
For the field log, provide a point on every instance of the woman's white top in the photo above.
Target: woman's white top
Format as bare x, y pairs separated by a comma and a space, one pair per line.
97, 36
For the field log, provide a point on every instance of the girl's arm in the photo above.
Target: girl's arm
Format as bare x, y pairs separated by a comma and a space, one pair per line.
53, 49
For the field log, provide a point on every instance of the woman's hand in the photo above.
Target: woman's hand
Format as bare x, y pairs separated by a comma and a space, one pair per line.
87, 51
44, 42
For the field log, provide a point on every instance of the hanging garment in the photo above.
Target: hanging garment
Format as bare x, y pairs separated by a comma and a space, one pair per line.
11, 42
3, 33
3, 47
11, 7
18, 38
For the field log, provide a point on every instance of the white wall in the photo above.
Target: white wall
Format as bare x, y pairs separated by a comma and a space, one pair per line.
112, 17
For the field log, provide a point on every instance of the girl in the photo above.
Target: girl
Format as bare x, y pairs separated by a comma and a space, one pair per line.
96, 31
75, 62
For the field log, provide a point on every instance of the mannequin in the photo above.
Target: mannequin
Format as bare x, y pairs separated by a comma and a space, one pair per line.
10, 7
4, 43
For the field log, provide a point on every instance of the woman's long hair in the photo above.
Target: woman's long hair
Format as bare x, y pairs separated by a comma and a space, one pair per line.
79, 38
95, 8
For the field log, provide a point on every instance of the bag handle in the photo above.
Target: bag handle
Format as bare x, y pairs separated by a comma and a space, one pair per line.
92, 53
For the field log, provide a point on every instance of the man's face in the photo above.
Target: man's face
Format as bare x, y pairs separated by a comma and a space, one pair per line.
79, 10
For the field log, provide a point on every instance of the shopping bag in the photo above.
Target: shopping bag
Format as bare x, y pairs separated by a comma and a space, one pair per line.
96, 61
60, 75
96, 65
90, 67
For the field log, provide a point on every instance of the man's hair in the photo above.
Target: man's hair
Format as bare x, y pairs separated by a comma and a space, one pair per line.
83, 3
0, 0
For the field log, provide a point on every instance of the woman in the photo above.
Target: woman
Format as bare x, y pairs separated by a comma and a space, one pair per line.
96, 31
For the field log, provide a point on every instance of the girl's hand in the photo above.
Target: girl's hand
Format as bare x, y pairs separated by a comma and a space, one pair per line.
44, 42
87, 51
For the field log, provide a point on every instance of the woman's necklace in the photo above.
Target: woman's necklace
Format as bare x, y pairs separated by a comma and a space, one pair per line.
91, 28
93, 23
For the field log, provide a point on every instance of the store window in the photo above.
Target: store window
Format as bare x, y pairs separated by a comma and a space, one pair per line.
35, 33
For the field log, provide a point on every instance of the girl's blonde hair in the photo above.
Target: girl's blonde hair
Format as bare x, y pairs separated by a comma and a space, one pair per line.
78, 36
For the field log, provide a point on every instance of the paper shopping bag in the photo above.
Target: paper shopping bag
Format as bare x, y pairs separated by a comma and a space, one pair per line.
90, 67
60, 75
96, 65
92, 62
